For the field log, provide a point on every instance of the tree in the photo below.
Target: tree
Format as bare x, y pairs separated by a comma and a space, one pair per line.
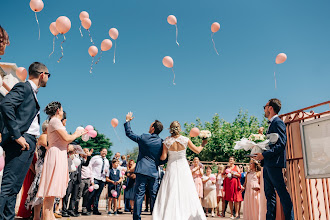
97, 143
133, 154
224, 134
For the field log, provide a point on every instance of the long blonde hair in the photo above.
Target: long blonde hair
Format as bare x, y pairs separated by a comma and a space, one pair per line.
175, 128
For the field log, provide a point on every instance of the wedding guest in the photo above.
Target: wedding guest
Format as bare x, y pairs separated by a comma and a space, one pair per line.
4, 41
197, 173
219, 186
99, 166
130, 188
32, 200
124, 163
114, 179
85, 180
231, 186
210, 192
55, 176
20, 112
252, 192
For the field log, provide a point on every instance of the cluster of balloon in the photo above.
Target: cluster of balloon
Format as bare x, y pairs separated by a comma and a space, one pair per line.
86, 23
280, 58
194, 132
2, 159
215, 27
114, 193
37, 6
91, 133
113, 33
114, 123
92, 50
168, 62
105, 46
171, 19
21, 73
54, 31
91, 188
63, 25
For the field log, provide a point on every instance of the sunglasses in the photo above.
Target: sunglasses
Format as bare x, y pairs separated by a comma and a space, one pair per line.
266, 106
48, 74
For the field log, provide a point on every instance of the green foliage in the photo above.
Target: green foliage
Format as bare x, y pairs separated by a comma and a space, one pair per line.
97, 143
224, 134
133, 154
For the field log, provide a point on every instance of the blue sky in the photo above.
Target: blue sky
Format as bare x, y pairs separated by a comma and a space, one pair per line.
252, 33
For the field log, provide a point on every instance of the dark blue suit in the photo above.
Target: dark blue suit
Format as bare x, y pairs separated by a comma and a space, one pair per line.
146, 170
19, 107
274, 161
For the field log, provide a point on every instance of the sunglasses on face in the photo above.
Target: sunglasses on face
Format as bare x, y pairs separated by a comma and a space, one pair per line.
265, 106
48, 74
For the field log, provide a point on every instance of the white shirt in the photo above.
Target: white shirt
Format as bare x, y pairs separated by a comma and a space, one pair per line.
115, 171
34, 127
96, 168
86, 172
272, 119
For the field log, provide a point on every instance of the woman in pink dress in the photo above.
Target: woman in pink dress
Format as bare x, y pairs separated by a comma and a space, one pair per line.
55, 177
197, 173
252, 192
219, 185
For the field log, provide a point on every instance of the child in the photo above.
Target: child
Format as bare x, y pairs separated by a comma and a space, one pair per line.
210, 192
219, 186
114, 179
252, 192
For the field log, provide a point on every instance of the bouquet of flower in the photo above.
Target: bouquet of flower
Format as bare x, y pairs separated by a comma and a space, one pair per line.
257, 138
257, 143
205, 134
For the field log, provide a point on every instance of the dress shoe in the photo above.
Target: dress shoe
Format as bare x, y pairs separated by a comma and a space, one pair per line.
65, 214
97, 213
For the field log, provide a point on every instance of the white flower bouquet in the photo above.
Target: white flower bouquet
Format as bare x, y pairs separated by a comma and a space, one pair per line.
205, 134
257, 143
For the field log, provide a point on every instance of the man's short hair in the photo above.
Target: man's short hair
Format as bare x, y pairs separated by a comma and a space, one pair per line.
158, 126
35, 69
103, 149
276, 104
115, 160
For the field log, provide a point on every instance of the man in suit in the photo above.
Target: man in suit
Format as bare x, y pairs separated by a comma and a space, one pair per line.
20, 112
146, 170
274, 161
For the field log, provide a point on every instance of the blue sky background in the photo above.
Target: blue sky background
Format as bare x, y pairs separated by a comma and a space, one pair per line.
252, 33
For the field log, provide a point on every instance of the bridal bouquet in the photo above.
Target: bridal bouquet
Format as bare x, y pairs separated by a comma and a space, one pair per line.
205, 134
257, 143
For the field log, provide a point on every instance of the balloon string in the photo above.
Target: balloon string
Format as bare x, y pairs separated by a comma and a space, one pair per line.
90, 71
37, 23
98, 60
80, 31
53, 47
89, 33
62, 49
214, 44
176, 27
174, 76
117, 135
114, 55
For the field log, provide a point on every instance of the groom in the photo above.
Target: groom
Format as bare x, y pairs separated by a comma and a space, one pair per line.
274, 162
146, 170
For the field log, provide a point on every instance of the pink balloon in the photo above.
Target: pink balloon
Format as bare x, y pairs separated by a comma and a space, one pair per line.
280, 58
215, 27
194, 132
36, 5
89, 127
83, 14
93, 51
63, 24
114, 194
113, 32
124, 187
21, 73
2, 163
212, 177
114, 122
92, 133
227, 171
106, 44
91, 188
171, 19
123, 172
52, 28
168, 61
86, 23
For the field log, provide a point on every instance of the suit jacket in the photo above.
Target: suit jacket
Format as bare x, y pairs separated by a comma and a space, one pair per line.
150, 150
276, 155
19, 107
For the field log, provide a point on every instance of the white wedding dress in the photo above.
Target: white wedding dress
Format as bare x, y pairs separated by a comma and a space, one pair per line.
177, 197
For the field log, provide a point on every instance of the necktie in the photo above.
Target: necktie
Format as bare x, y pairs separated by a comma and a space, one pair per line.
102, 166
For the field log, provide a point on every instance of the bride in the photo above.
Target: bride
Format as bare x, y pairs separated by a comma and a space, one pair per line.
177, 197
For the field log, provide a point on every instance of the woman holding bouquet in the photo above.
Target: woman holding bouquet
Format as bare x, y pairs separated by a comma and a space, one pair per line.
231, 186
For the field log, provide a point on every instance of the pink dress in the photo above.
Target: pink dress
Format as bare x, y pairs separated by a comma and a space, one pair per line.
55, 175
219, 185
197, 176
251, 198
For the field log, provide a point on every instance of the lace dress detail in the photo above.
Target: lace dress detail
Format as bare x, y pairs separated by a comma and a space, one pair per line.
169, 141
